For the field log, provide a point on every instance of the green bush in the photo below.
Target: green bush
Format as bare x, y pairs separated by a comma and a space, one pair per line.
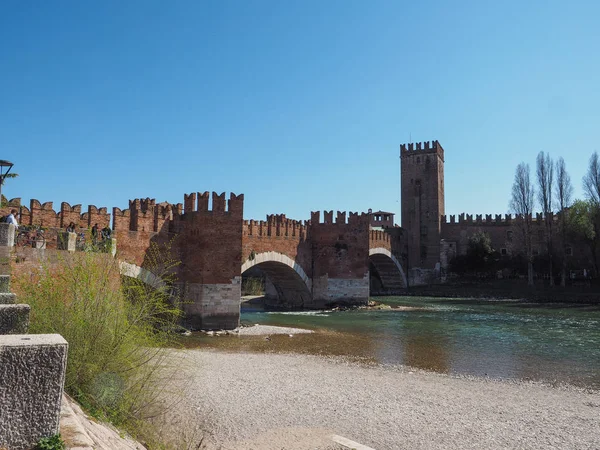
51, 443
253, 286
117, 330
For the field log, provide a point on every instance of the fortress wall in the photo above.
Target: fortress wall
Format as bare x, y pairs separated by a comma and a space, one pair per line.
504, 231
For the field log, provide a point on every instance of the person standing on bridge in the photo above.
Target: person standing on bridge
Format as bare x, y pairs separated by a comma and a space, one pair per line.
12, 218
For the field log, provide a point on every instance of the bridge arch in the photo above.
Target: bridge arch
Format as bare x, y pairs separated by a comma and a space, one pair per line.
293, 287
133, 271
388, 268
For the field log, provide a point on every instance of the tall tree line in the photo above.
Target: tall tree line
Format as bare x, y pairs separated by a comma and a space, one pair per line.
554, 192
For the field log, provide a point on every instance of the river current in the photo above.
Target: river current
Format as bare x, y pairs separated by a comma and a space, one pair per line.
497, 339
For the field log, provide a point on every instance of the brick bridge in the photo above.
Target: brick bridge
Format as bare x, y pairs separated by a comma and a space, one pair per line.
310, 264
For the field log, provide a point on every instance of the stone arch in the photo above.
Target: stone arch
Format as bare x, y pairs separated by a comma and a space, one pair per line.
133, 271
292, 287
389, 269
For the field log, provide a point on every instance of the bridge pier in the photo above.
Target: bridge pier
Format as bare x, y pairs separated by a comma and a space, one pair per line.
212, 306
347, 291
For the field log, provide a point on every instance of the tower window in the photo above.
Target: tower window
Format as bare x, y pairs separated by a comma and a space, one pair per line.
503, 252
569, 251
418, 160
509, 236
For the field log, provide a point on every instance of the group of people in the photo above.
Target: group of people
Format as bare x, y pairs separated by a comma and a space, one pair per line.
105, 233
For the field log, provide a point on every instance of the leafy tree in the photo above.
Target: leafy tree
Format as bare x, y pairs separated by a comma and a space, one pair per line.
479, 258
581, 220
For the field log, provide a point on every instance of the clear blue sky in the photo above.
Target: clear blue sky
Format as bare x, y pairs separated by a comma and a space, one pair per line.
300, 105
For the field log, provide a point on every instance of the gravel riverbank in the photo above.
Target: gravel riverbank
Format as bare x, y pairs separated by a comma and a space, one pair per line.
275, 401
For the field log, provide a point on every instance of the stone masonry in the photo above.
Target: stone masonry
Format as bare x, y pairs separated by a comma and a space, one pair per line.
32, 369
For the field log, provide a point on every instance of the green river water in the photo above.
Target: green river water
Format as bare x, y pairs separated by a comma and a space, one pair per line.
498, 339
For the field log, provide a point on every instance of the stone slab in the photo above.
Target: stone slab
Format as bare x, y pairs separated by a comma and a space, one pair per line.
66, 241
7, 298
32, 375
14, 319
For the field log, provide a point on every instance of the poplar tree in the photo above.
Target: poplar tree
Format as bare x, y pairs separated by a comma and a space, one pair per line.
564, 195
545, 177
522, 203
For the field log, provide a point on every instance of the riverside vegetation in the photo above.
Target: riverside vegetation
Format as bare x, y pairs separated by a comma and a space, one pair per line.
117, 329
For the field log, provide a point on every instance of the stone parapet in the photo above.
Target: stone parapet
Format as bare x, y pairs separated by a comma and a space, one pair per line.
32, 370
7, 235
14, 319
7, 298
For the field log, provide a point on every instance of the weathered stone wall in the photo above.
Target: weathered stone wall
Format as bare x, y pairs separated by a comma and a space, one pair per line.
212, 306
32, 370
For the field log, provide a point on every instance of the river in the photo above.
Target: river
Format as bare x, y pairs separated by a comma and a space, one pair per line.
498, 339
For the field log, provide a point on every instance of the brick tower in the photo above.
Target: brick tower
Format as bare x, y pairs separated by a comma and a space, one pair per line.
422, 194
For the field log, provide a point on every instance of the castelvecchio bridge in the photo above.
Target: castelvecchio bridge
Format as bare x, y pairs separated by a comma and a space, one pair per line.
308, 264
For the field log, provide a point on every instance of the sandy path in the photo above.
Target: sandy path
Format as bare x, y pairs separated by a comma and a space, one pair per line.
265, 401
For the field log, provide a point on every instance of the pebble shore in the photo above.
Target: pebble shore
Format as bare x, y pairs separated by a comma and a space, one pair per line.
291, 401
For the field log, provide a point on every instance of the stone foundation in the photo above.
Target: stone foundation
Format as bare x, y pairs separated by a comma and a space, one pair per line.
327, 291
212, 306
32, 370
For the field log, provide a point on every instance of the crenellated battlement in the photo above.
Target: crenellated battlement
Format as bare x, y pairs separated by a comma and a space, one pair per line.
379, 236
44, 215
421, 147
353, 218
276, 225
492, 220
197, 202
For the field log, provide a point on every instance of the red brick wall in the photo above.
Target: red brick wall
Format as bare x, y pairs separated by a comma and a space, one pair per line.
211, 241
278, 234
422, 189
340, 250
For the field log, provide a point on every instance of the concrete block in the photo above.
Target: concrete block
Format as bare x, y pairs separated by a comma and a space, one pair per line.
14, 319
7, 298
32, 375
4, 283
66, 241
7, 235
